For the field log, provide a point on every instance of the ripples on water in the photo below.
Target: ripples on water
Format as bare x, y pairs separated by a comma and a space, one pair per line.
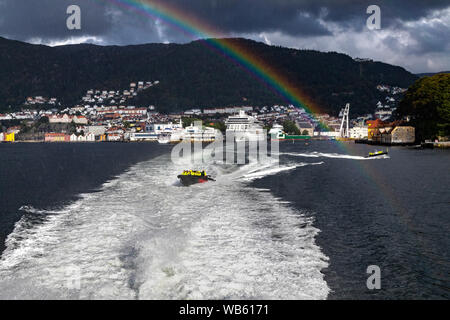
389, 211
304, 229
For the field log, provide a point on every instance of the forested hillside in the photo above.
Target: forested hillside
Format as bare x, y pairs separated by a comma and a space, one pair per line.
190, 75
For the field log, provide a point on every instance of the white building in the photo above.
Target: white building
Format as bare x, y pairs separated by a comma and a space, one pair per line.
5, 117
328, 134
96, 130
305, 127
229, 110
383, 114
23, 116
73, 137
193, 112
90, 137
115, 137
81, 138
359, 132
143, 136
65, 118
159, 128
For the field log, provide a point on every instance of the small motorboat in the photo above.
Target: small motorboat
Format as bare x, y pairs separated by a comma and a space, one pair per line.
376, 154
164, 138
190, 177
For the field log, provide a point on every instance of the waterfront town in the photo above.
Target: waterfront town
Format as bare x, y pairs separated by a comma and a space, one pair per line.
105, 116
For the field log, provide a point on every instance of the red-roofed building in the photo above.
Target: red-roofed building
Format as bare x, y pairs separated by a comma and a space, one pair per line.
372, 127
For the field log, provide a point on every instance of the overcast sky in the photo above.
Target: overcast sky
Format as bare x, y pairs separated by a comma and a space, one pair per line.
414, 34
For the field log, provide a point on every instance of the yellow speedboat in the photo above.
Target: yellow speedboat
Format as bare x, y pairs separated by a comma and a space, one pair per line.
189, 177
376, 154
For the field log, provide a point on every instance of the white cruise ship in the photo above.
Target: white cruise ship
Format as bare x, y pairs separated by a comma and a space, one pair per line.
199, 134
192, 133
245, 127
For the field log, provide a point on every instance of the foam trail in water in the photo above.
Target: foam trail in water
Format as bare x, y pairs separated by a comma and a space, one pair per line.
263, 172
332, 155
143, 236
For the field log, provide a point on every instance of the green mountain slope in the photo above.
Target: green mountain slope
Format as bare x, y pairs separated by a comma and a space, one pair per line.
190, 75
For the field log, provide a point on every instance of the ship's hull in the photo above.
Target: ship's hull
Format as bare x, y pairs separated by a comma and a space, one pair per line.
246, 135
376, 155
190, 180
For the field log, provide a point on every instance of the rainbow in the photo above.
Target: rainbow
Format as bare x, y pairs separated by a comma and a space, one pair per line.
272, 78
193, 27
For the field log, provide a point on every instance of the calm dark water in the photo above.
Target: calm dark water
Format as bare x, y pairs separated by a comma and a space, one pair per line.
391, 212
394, 213
45, 176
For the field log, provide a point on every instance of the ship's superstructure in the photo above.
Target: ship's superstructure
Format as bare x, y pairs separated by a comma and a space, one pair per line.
244, 127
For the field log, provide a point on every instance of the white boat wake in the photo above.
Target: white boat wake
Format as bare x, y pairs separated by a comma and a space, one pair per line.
332, 155
142, 236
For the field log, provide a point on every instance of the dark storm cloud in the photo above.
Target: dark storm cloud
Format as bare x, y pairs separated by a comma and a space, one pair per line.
299, 17
246, 16
430, 37
46, 20
24, 19
307, 22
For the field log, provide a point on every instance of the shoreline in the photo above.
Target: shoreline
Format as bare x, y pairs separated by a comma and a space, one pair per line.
422, 145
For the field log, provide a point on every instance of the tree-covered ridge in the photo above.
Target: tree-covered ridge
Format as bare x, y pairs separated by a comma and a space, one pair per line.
427, 102
191, 75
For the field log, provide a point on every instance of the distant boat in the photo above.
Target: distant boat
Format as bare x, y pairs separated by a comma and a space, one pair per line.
277, 133
376, 154
164, 138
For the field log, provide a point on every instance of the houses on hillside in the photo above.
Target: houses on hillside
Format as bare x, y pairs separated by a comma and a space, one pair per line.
65, 118
106, 115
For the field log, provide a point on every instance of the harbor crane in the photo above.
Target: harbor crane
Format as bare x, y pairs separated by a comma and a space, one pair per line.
344, 131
